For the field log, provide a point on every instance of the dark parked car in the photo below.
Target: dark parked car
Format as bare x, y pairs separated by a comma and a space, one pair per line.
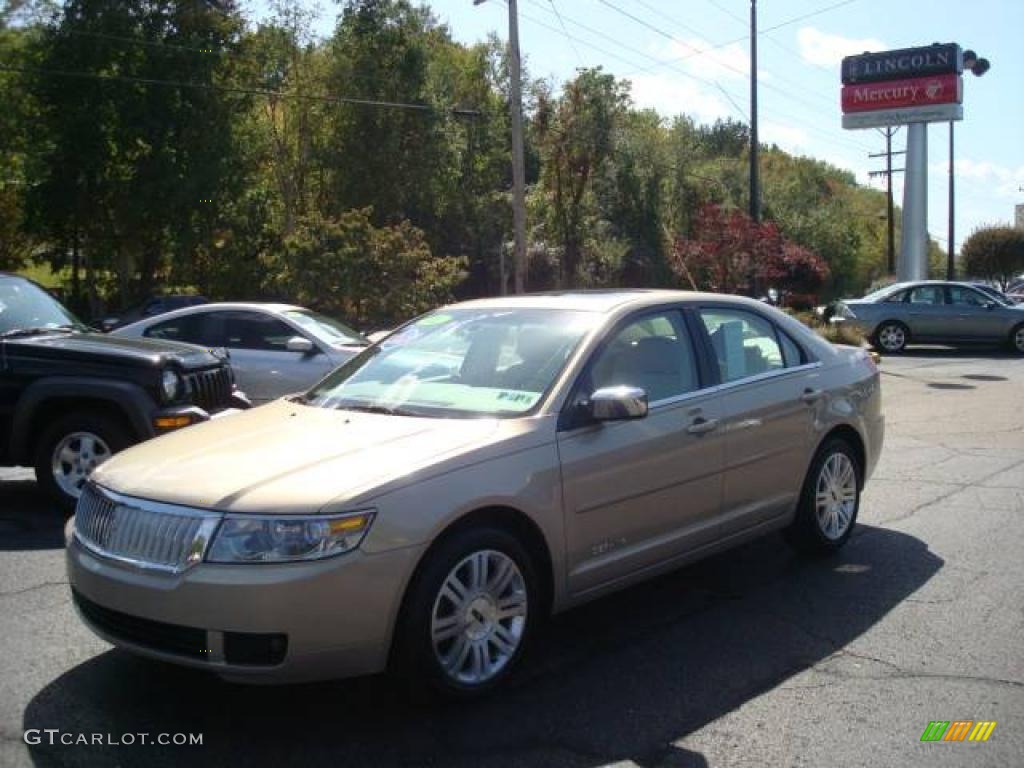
151, 307
933, 311
70, 398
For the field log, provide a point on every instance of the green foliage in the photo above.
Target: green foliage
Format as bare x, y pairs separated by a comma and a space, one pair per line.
189, 146
375, 276
994, 253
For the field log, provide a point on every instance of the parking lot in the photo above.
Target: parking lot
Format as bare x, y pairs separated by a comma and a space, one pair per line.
755, 657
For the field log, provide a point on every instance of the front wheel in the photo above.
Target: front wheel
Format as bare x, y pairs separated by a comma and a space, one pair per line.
891, 337
1017, 339
829, 501
71, 448
469, 613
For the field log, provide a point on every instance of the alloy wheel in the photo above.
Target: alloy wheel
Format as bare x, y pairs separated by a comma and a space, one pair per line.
479, 617
892, 338
835, 497
1018, 339
75, 457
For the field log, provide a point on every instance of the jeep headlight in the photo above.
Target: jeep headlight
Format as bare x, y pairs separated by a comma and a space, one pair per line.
170, 385
268, 539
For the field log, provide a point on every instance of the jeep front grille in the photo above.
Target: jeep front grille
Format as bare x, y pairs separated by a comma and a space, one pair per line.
146, 534
210, 389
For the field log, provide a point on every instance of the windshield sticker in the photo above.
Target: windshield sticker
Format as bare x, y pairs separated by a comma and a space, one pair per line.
430, 320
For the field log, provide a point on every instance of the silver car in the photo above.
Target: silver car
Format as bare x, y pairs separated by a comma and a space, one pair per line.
424, 506
933, 312
276, 349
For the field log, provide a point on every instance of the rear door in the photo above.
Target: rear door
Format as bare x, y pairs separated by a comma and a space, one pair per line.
928, 315
769, 386
638, 493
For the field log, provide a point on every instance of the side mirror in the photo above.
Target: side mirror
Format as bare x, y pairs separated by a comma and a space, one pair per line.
618, 403
299, 344
991, 305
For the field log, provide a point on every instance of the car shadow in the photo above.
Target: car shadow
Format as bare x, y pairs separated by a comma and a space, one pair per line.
622, 678
986, 351
28, 519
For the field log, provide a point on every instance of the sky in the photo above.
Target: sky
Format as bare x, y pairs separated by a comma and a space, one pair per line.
692, 56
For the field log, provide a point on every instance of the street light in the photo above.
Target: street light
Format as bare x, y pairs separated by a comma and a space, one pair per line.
518, 160
978, 67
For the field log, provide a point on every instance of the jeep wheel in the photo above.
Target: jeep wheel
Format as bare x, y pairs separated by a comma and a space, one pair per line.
71, 448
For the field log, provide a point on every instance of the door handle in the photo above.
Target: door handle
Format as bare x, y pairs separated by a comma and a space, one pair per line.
811, 395
702, 426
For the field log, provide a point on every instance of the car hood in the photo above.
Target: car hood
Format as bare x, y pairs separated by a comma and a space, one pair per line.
289, 458
118, 350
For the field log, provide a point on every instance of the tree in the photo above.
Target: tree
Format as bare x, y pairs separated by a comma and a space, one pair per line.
373, 276
576, 136
995, 253
728, 251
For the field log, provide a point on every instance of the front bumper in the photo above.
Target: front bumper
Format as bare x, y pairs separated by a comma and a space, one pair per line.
164, 420
323, 619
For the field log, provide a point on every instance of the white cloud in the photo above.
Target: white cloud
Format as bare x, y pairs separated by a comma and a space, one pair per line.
672, 95
791, 138
824, 49
1000, 181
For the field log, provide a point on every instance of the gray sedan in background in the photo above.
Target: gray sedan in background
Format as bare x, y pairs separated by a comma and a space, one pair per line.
933, 311
276, 349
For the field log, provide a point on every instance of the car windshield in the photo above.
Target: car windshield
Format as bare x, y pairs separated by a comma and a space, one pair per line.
467, 362
992, 293
25, 306
326, 329
881, 293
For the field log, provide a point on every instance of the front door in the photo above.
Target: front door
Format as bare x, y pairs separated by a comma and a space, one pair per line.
637, 493
974, 315
768, 398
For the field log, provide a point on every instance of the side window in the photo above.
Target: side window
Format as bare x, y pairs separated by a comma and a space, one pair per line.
254, 330
654, 352
966, 297
791, 353
927, 294
745, 344
897, 297
187, 328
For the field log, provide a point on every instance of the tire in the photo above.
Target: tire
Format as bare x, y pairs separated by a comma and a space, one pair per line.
823, 528
473, 622
891, 337
1017, 339
83, 439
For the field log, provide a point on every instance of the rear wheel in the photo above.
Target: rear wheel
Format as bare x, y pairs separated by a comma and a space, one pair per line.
892, 337
829, 501
469, 613
71, 448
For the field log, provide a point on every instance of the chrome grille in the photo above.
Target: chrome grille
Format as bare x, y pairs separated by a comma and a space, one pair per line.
146, 534
210, 389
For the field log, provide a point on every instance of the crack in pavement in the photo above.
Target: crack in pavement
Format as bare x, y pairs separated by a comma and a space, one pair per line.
34, 587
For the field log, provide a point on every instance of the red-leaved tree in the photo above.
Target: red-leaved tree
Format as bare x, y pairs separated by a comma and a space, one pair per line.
728, 251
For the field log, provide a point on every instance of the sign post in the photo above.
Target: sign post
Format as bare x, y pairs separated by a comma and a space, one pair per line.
912, 87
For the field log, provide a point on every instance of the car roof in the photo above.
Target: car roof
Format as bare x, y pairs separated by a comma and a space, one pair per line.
603, 301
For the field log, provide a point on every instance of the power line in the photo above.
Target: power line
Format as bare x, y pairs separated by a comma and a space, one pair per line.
566, 31
460, 112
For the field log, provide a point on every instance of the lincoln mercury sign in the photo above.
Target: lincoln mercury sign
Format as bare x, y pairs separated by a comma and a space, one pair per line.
911, 85
938, 59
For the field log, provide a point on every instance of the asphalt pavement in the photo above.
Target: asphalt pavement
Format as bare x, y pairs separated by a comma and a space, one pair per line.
753, 658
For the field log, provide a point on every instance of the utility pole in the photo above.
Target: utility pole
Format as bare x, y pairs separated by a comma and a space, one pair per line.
518, 155
888, 132
950, 262
518, 160
755, 186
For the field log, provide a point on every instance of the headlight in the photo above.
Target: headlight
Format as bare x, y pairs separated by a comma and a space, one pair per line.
170, 385
261, 539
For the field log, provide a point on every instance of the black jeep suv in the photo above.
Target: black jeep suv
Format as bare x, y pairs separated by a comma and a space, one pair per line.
69, 398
